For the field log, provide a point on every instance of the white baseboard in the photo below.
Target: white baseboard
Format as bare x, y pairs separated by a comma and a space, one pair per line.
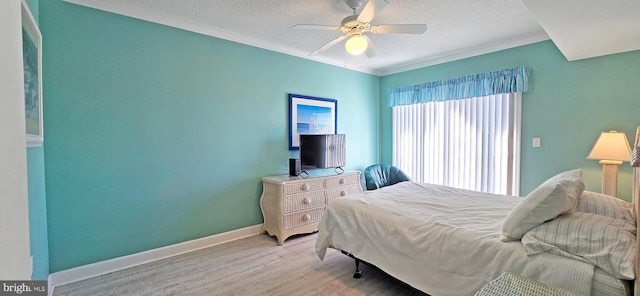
103, 267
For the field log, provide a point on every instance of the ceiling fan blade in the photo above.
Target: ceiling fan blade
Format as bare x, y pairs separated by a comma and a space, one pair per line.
330, 44
371, 51
371, 10
316, 27
404, 29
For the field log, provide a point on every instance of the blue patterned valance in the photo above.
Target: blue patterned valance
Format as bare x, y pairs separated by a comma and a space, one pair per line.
478, 85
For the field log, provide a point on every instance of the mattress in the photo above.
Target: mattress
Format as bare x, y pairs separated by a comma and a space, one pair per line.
604, 284
445, 241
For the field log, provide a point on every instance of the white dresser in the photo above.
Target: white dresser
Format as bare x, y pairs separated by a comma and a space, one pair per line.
293, 205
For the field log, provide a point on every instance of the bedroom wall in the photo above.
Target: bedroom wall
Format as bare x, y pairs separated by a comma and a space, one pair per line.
37, 198
156, 135
569, 105
38, 236
15, 261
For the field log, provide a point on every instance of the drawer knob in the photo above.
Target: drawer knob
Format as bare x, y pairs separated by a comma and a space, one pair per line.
306, 200
306, 218
342, 181
343, 193
305, 187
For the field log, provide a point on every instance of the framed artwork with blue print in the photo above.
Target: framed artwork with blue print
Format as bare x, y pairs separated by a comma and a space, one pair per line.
32, 62
311, 115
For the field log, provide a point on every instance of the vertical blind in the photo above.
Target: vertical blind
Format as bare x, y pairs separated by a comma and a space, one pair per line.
471, 143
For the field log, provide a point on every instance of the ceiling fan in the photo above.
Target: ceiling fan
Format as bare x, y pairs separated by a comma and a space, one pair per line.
354, 27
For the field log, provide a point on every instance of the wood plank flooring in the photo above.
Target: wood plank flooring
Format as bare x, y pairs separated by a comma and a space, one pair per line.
252, 266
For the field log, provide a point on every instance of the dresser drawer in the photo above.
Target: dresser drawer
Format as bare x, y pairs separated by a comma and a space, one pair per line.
303, 218
302, 201
334, 193
306, 186
341, 180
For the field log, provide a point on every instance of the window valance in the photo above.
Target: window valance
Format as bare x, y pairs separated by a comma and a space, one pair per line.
478, 85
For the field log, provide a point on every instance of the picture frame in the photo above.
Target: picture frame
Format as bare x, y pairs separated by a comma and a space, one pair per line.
311, 115
32, 61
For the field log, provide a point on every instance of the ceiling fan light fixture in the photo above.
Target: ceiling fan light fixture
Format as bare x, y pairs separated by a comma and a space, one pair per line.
354, 26
356, 45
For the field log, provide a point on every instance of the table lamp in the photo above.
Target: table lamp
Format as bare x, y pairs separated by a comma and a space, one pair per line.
611, 148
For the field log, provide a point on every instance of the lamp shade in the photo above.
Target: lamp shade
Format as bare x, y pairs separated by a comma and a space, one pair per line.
611, 145
356, 45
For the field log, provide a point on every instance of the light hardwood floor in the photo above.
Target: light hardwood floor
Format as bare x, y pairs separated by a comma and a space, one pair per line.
252, 266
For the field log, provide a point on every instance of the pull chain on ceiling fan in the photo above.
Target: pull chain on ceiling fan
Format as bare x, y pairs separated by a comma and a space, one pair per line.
354, 27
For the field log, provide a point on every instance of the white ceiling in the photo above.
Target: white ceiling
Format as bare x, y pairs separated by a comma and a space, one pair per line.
456, 29
589, 28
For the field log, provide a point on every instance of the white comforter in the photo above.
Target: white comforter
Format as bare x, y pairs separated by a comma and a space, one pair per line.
441, 240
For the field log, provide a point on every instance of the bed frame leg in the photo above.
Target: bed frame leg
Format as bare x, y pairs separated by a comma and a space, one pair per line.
358, 273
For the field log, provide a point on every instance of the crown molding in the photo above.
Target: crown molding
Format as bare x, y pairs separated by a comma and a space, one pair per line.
463, 54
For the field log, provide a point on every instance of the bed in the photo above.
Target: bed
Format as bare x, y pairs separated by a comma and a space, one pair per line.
448, 241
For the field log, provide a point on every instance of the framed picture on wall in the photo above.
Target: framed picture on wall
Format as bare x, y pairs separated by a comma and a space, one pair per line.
311, 115
32, 62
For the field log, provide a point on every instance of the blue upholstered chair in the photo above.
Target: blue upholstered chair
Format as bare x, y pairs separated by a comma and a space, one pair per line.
380, 175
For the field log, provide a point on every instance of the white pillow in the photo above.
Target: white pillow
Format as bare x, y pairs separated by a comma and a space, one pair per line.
606, 242
606, 205
556, 196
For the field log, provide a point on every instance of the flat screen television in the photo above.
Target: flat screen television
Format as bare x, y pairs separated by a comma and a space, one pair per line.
322, 151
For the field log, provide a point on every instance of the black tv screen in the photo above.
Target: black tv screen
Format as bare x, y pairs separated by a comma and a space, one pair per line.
322, 151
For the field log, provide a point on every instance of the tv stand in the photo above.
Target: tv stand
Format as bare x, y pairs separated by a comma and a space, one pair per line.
293, 205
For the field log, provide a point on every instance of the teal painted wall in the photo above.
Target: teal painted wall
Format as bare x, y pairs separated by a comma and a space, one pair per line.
157, 135
569, 105
34, 8
38, 236
39, 244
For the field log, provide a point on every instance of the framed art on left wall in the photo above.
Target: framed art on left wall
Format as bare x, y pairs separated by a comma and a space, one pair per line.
32, 61
311, 115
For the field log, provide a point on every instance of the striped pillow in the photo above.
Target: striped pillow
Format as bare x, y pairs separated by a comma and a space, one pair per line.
606, 205
605, 242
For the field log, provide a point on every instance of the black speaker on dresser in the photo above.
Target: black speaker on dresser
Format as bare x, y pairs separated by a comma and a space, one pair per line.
294, 167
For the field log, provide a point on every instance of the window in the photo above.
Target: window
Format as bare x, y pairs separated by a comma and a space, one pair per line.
470, 143
462, 132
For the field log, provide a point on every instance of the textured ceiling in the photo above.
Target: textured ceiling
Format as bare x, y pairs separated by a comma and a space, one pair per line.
456, 29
